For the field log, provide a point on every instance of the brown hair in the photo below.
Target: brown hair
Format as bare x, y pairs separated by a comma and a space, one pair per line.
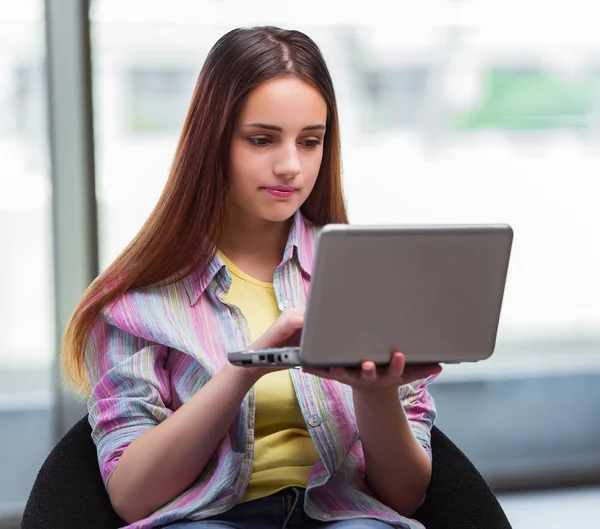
193, 204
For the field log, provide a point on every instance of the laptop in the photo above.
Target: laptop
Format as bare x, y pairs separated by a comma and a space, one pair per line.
432, 292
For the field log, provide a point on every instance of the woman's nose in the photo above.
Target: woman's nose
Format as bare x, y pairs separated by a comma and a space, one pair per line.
287, 163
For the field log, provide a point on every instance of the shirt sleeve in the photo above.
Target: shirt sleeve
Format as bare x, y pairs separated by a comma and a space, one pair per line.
130, 390
420, 409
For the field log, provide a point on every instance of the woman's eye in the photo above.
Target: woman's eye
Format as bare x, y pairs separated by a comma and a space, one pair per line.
259, 142
311, 144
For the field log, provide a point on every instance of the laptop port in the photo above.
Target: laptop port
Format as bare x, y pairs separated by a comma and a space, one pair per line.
271, 358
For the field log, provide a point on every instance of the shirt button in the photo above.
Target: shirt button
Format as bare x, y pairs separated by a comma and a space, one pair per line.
285, 304
314, 421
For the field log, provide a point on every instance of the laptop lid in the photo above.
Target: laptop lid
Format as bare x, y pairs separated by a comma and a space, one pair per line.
432, 292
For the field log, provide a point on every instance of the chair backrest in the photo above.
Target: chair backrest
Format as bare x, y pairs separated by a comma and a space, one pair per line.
458, 496
68, 492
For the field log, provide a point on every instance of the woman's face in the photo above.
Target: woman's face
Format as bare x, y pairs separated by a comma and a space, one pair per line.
276, 149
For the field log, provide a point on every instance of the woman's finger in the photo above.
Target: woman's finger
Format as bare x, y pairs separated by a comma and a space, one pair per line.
417, 372
369, 371
397, 364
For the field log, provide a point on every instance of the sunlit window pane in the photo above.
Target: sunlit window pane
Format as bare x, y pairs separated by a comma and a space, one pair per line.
26, 302
444, 119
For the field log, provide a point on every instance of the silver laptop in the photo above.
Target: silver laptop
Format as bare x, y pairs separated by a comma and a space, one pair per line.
431, 292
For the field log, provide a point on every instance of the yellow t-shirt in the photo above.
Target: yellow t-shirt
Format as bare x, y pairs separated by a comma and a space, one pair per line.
284, 452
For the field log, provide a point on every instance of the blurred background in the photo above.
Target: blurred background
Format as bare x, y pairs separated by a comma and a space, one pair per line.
451, 111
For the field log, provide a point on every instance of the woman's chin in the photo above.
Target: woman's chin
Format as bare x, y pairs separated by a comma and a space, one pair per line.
279, 214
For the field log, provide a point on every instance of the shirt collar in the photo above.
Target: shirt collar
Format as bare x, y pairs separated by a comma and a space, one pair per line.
300, 245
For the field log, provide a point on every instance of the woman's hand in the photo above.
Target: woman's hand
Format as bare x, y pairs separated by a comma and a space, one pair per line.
369, 377
285, 332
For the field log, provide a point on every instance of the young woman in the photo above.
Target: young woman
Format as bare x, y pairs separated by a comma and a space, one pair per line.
186, 439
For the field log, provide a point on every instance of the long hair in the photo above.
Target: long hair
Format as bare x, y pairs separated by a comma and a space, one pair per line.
194, 203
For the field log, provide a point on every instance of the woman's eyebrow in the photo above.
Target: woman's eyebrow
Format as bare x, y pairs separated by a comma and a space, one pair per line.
279, 129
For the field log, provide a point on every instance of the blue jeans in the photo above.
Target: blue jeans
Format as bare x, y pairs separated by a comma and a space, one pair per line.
284, 510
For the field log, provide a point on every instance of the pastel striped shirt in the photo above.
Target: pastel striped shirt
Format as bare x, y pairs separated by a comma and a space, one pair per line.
153, 348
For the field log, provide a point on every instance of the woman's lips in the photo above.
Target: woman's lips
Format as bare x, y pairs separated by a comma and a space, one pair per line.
282, 192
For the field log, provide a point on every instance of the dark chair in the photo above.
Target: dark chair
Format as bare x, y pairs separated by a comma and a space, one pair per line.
68, 492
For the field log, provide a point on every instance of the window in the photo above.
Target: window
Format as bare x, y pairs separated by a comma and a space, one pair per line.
395, 96
20, 88
533, 99
158, 98
26, 273
444, 119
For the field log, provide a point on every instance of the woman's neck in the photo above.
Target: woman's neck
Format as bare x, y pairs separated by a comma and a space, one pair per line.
256, 247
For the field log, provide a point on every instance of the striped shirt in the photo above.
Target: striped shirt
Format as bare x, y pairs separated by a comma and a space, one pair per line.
153, 348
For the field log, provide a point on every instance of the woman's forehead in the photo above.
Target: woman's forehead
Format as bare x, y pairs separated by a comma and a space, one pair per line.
284, 102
